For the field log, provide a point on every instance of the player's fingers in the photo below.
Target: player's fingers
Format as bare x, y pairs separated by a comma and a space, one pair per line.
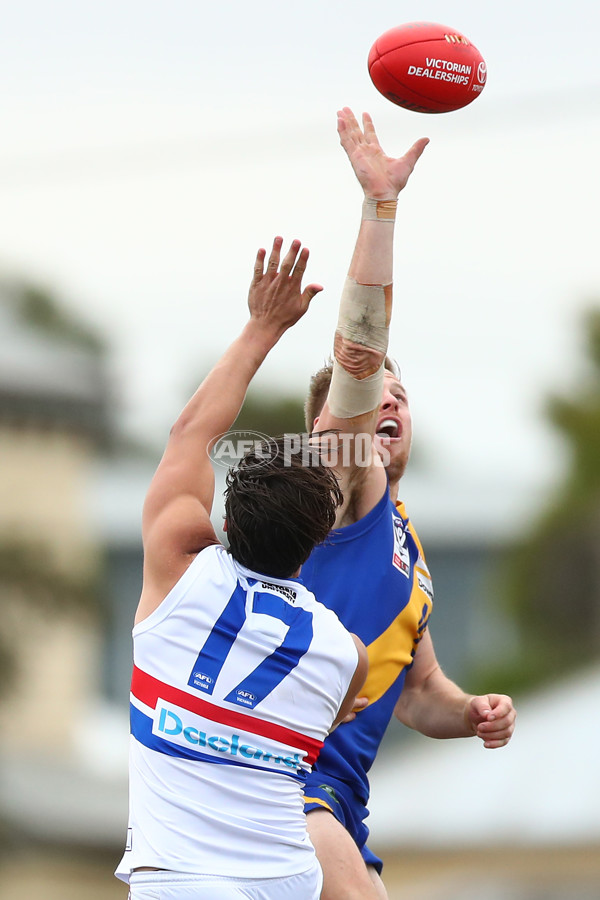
495, 737
369, 129
502, 716
290, 258
259, 265
274, 255
412, 155
300, 267
501, 704
311, 291
495, 730
479, 708
493, 745
347, 138
360, 702
341, 120
347, 116
348, 128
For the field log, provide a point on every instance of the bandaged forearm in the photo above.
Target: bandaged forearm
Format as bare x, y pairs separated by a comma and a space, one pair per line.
365, 312
361, 338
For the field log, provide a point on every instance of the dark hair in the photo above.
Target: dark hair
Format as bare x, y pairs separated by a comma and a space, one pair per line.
319, 388
278, 508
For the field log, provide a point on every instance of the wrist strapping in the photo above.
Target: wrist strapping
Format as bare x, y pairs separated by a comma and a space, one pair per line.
379, 210
349, 397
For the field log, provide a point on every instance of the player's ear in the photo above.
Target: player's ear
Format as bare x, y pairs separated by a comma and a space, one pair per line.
225, 525
315, 420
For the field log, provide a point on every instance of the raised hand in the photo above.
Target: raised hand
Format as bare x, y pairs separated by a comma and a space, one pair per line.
276, 300
381, 177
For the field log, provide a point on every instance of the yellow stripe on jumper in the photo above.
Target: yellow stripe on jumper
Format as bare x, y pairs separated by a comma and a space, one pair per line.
392, 650
319, 801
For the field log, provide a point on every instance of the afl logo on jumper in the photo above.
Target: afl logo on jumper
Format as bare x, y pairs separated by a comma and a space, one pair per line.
203, 681
401, 557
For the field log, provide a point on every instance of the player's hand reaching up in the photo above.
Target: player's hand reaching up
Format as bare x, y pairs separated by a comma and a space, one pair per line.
381, 177
276, 300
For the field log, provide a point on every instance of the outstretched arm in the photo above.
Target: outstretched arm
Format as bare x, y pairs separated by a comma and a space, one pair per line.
434, 705
361, 336
176, 519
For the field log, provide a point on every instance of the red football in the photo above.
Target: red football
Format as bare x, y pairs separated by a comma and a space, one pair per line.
426, 67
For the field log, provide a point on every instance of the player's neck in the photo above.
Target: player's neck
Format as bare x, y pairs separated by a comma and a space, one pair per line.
394, 485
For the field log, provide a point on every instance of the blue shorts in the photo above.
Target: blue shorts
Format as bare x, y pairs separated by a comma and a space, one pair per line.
324, 792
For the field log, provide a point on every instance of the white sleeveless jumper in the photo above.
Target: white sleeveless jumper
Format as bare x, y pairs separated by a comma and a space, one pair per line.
236, 682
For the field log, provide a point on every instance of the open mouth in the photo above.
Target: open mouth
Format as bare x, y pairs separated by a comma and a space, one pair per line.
388, 428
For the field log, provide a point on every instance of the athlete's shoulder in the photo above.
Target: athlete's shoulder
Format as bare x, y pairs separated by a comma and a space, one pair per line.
399, 505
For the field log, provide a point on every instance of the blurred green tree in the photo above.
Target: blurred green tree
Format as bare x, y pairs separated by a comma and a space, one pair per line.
271, 414
38, 308
551, 581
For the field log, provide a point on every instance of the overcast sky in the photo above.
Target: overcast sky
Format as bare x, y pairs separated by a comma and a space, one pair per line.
148, 149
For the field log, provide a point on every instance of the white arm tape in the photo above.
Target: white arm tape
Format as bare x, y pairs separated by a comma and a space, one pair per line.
379, 210
363, 317
349, 397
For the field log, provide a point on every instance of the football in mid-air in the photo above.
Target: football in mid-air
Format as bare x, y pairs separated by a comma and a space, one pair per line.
427, 68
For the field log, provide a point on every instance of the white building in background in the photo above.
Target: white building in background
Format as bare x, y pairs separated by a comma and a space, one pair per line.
53, 422
542, 790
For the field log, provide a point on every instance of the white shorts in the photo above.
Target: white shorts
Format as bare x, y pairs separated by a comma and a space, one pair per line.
180, 886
